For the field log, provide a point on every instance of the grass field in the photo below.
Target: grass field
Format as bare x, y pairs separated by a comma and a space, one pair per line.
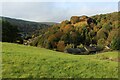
19, 61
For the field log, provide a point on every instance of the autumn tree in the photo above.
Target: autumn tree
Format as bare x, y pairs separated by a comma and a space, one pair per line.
63, 24
74, 19
66, 38
52, 41
61, 46
102, 33
73, 38
58, 34
68, 28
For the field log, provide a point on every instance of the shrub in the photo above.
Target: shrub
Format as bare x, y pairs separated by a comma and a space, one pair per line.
69, 46
80, 46
99, 48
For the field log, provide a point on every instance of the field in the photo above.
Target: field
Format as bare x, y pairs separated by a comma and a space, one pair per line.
19, 61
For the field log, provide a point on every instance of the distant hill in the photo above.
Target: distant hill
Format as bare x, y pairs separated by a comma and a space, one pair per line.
28, 28
49, 23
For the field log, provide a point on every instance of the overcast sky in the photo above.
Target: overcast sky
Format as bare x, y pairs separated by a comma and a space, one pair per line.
55, 11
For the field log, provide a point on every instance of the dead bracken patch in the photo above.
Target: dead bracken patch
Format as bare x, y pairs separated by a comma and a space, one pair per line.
116, 59
111, 59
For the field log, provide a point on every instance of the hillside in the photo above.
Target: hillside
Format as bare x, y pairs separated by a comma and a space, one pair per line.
98, 32
19, 61
27, 28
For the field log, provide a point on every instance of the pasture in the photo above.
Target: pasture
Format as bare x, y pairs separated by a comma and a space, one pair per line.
19, 61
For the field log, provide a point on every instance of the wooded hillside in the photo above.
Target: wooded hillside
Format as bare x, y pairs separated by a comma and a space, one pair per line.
99, 30
24, 29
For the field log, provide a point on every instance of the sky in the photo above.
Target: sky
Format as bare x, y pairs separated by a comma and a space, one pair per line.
55, 11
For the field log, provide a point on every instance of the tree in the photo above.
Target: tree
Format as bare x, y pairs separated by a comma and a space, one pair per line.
52, 41
73, 38
101, 43
102, 33
66, 38
115, 44
35, 42
87, 39
9, 32
107, 26
90, 20
74, 19
99, 25
112, 34
67, 28
58, 35
92, 37
63, 24
61, 46
115, 24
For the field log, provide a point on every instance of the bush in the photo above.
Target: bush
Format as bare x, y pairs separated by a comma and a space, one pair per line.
80, 46
69, 46
99, 48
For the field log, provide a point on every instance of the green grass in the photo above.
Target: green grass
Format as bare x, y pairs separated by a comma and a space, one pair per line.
19, 61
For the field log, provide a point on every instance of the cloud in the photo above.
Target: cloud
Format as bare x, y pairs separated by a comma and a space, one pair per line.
54, 11
59, 0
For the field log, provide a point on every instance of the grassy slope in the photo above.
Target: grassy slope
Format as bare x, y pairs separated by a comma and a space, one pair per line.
25, 61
